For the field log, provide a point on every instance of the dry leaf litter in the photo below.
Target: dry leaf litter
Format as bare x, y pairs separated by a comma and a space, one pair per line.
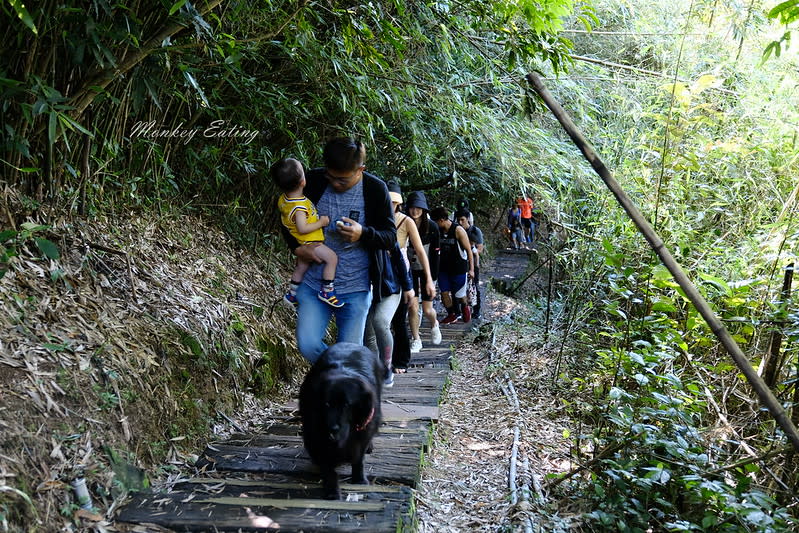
500, 434
144, 326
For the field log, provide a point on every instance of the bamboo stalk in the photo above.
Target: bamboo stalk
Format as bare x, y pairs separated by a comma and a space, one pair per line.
86, 94
716, 326
639, 70
773, 362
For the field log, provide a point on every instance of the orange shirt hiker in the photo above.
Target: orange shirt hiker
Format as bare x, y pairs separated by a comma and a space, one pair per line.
526, 205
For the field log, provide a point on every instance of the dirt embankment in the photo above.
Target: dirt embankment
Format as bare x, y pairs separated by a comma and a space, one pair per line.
124, 352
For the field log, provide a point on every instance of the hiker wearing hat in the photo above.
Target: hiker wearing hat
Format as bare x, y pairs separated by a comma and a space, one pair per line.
407, 233
417, 207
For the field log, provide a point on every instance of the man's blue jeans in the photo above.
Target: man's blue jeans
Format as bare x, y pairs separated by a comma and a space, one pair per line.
313, 317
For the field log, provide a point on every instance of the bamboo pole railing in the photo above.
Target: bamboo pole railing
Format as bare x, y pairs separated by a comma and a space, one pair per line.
716, 326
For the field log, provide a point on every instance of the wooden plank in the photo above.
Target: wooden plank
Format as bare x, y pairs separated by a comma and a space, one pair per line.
430, 360
418, 396
398, 464
398, 412
388, 428
298, 503
249, 514
260, 440
261, 484
392, 412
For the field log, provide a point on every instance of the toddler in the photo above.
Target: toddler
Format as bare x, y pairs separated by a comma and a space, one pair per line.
300, 217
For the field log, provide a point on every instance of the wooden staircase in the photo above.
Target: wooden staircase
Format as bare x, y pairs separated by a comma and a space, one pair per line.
266, 481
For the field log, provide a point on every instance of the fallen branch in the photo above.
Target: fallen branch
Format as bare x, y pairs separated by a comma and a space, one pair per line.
525, 497
640, 71
750, 460
231, 421
104, 248
514, 453
602, 455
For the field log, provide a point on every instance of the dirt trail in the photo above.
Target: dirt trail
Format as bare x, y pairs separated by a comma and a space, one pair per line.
499, 414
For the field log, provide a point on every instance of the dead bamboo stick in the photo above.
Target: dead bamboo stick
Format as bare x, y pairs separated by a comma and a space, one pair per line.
716, 326
640, 71
514, 453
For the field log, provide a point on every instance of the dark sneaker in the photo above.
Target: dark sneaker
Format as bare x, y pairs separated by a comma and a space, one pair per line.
467, 314
450, 319
330, 298
290, 300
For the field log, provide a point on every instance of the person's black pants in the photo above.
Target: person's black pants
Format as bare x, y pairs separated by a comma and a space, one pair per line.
476, 310
402, 344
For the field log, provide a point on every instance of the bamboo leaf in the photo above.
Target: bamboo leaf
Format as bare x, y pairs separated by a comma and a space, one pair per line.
48, 248
23, 15
717, 282
704, 82
176, 6
196, 86
26, 170
782, 11
32, 226
24, 496
67, 121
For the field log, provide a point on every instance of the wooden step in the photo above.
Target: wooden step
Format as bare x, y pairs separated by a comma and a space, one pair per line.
256, 509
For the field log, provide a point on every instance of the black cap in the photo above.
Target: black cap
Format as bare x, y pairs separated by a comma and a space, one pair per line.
394, 191
416, 199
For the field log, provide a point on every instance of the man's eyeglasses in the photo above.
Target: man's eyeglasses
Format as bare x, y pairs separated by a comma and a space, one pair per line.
343, 179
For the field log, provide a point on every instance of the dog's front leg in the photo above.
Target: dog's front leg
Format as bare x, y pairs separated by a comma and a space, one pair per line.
358, 477
330, 484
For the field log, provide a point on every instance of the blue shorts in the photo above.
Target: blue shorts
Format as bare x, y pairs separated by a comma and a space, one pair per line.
456, 284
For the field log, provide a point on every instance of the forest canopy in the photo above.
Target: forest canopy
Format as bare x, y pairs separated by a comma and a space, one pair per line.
433, 87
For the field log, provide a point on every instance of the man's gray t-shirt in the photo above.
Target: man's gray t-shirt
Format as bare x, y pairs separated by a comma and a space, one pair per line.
475, 235
352, 273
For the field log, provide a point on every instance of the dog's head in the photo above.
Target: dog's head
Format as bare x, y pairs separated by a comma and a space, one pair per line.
349, 406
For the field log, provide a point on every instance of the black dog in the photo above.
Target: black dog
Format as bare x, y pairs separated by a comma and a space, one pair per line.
340, 410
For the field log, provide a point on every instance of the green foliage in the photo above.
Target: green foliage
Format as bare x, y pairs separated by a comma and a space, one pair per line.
786, 13
11, 240
433, 88
127, 477
271, 369
657, 467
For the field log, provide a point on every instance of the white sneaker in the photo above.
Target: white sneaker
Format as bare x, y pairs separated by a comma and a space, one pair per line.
416, 346
435, 334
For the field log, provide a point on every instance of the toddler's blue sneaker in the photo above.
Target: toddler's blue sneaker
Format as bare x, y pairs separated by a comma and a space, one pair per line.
330, 298
290, 300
